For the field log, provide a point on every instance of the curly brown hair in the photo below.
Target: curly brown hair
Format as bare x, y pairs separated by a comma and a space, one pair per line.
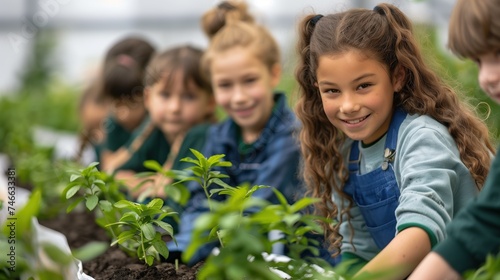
384, 34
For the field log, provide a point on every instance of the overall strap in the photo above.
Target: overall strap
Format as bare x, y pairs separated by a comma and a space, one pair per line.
392, 134
391, 141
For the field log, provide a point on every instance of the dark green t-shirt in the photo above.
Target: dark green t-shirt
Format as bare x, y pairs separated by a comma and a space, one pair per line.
116, 135
156, 147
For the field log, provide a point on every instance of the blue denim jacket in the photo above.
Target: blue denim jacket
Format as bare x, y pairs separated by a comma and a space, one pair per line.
272, 160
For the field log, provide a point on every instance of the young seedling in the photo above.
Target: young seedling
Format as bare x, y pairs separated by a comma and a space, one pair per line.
242, 223
139, 235
176, 192
95, 188
203, 172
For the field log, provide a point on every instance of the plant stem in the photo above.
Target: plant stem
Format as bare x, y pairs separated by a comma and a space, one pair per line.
205, 188
143, 249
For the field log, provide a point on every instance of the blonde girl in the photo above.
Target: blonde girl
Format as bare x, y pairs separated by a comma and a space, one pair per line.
243, 64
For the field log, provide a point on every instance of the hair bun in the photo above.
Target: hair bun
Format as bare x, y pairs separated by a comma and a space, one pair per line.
227, 11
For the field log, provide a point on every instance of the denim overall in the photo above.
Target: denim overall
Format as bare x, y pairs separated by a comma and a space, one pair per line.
376, 193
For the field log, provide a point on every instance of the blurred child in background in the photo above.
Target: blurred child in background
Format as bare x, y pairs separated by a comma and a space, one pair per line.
177, 99
122, 84
93, 110
243, 64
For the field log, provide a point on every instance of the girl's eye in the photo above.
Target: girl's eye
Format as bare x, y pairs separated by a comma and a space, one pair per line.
165, 94
365, 85
329, 90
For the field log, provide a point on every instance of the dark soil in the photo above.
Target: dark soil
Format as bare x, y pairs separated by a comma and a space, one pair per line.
80, 228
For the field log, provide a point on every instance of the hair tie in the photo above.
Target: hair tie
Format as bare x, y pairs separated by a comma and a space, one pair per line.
315, 19
379, 10
125, 60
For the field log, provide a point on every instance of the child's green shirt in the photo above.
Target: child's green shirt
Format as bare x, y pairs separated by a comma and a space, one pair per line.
156, 147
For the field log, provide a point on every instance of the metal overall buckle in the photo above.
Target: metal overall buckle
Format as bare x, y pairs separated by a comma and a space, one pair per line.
388, 157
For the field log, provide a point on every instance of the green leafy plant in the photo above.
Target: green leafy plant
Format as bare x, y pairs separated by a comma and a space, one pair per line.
96, 188
175, 191
136, 227
139, 232
25, 256
203, 173
91, 182
242, 223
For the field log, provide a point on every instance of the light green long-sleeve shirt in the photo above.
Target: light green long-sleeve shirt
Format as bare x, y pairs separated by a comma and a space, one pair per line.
433, 181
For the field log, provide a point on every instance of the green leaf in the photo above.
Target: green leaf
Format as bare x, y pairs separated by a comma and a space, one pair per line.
230, 220
153, 165
124, 236
224, 164
90, 251
74, 204
214, 159
144, 174
173, 193
105, 205
74, 177
156, 203
221, 183
125, 204
151, 212
130, 217
149, 260
56, 254
198, 171
91, 202
291, 219
281, 197
201, 158
185, 194
302, 203
191, 160
148, 230
72, 191
160, 246
100, 183
167, 227
92, 165
205, 221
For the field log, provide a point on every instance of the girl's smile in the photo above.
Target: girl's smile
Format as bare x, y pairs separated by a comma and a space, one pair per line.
355, 122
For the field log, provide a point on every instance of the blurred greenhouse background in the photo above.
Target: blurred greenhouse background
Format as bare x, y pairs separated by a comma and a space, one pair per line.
51, 49
81, 31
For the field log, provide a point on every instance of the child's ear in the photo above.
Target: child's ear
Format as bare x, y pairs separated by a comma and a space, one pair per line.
399, 78
275, 74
